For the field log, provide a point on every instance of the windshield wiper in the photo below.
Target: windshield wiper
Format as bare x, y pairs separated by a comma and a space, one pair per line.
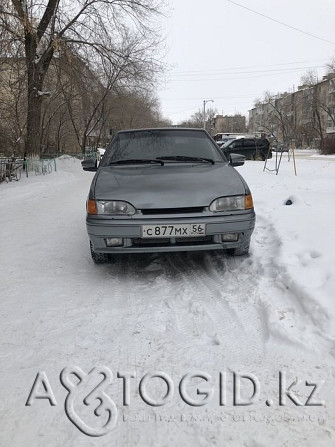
132, 161
185, 158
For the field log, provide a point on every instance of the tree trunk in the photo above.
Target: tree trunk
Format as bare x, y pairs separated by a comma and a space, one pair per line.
36, 71
83, 143
33, 141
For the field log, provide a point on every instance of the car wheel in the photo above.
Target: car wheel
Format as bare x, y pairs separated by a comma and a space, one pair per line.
241, 251
98, 258
258, 156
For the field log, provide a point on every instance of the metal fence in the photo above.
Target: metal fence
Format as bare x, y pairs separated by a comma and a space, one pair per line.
10, 169
40, 166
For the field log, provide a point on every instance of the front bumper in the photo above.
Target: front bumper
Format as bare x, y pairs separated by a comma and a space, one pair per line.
99, 228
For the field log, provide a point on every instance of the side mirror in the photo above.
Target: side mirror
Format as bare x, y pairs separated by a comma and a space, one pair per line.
89, 165
236, 159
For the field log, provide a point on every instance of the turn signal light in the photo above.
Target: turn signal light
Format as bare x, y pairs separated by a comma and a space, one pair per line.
248, 202
91, 207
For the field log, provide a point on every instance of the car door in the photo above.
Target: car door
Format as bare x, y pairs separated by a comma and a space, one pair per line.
236, 147
249, 148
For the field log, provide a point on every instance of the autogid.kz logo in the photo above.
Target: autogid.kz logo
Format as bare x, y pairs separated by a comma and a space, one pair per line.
84, 391
90, 408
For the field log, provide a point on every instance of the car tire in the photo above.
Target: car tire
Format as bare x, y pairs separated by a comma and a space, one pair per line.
258, 157
241, 251
98, 258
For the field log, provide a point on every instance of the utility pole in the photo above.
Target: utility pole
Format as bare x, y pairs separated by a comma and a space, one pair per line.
205, 102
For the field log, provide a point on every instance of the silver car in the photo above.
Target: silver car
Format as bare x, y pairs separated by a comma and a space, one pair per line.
168, 189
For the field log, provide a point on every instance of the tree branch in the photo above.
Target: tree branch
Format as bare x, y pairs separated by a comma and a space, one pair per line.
47, 16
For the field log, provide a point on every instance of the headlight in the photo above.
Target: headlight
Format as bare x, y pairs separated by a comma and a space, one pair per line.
110, 207
231, 203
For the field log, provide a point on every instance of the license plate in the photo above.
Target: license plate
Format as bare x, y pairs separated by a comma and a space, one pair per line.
179, 230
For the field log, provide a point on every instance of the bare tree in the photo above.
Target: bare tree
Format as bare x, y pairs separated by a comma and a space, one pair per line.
281, 117
197, 119
135, 109
95, 30
309, 78
330, 67
12, 104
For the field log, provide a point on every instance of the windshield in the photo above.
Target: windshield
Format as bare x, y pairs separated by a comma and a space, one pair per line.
168, 144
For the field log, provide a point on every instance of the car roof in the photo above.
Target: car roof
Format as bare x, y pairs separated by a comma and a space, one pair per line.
246, 137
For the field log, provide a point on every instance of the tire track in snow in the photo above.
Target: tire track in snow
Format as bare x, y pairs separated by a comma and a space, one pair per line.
292, 316
120, 325
220, 315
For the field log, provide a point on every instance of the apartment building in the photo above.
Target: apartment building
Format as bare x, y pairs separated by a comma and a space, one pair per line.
305, 117
229, 123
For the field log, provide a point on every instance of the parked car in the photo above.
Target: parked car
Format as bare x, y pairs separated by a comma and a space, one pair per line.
251, 148
167, 189
220, 143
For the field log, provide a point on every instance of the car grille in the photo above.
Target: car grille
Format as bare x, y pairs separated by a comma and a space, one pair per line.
187, 210
199, 240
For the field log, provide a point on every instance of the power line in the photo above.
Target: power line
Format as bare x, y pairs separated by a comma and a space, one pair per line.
214, 97
253, 74
248, 66
281, 23
276, 70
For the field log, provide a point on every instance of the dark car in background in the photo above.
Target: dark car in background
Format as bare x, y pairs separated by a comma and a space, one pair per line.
251, 148
168, 189
224, 140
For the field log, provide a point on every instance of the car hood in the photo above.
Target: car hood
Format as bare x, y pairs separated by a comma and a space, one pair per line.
168, 186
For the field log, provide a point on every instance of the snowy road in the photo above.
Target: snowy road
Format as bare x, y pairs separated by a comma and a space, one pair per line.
177, 313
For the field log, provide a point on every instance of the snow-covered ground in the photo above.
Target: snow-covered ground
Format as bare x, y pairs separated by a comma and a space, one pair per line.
271, 312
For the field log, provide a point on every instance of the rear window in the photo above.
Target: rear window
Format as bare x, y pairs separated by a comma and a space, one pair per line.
234, 144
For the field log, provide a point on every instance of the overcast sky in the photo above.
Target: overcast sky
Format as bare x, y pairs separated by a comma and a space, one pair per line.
221, 51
